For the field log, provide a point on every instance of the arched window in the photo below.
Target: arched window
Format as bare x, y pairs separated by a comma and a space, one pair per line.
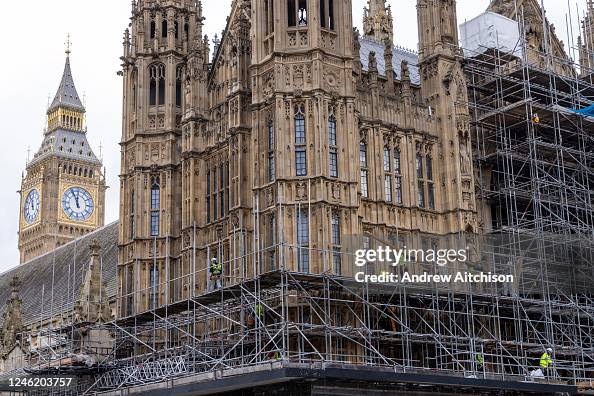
300, 141
271, 160
154, 285
333, 146
208, 192
132, 217
430, 185
187, 31
133, 93
327, 14
364, 171
155, 206
336, 242
164, 29
153, 29
176, 27
269, 16
297, 12
303, 240
387, 174
178, 86
397, 176
157, 84
420, 182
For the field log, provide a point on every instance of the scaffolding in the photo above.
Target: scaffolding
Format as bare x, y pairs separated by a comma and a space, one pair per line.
291, 318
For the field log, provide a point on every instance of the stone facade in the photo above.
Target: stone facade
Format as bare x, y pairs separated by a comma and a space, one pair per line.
298, 132
63, 188
586, 40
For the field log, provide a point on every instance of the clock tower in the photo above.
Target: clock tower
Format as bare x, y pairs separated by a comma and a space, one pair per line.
63, 189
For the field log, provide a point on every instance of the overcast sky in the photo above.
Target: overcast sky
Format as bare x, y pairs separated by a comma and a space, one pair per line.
34, 33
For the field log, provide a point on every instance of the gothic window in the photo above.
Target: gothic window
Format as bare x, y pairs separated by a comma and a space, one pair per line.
364, 170
186, 31
397, 161
222, 179
208, 190
178, 86
227, 187
164, 29
132, 212
429, 166
271, 161
300, 142
157, 84
176, 28
129, 292
420, 182
419, 166
327, 14
297, 10
388, 187
335, 228
301, 162
333, 154
299, 125
153, 29
155, 206
389, 174
430, 182
154, 285
303, 240
272, 242
215, 190
269, 16
336, 242
397, 176
398, 189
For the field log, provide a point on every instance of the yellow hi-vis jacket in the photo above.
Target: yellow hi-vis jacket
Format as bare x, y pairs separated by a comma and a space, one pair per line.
545, 360
216, 268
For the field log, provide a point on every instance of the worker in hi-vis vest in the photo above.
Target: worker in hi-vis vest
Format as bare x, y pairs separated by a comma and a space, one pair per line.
216, 271
546, 361
480, 361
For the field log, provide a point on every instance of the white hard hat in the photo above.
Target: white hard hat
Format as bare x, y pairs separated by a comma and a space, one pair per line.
213, 259
549, 350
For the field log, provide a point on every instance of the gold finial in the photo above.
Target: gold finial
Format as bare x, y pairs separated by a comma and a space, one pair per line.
68, 44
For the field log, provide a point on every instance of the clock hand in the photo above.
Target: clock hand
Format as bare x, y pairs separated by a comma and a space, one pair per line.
76, 199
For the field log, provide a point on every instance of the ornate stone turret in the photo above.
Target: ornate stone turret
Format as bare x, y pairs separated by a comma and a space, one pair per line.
378, 22
586, 41
164, 70
92, 306
13, 318
444, 89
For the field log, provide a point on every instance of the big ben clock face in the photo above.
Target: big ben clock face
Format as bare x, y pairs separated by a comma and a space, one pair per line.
31, 209
77, 204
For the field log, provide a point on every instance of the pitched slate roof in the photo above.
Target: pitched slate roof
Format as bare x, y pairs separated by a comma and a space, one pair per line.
62, 142
66, 144
66, 266
67, 95
368, 44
